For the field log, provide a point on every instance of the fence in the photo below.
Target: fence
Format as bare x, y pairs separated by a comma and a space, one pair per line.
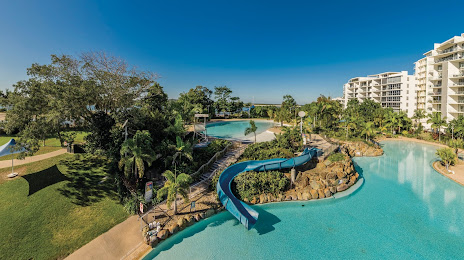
213, 159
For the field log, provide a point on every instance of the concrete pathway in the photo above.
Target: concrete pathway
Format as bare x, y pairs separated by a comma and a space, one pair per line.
120, 242
35, 158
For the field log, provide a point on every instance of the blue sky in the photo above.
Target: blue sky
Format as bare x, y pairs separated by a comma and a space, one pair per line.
260, 49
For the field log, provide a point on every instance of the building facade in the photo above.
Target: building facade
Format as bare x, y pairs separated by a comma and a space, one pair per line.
440, 79
391, 89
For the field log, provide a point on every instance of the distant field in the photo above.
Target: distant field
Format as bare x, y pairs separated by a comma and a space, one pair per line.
56, 206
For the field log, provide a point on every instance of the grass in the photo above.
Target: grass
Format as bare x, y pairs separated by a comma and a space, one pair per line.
56, 207
49, 141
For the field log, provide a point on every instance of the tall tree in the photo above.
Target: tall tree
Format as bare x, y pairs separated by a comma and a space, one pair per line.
251, 129
135, 152
436, 122
222, 95
175, 184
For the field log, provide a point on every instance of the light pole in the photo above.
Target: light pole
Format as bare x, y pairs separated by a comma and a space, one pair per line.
302, 114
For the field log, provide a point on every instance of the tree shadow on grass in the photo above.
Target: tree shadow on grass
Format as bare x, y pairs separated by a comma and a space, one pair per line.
86, 185
42, 179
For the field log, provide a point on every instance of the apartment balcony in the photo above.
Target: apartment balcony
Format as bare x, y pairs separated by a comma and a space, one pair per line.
435, 94
437, 101
436, 78
459, 84
460, 75
456, 57
455, 49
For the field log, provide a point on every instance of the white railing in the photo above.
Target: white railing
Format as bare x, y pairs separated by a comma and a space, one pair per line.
211, 161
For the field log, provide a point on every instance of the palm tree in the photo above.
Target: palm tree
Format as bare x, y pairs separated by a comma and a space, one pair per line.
251, 129
419, 114
138, 150
175, 184
456, 144
447, 156
392, 119
368, 129
437, 122
184, 149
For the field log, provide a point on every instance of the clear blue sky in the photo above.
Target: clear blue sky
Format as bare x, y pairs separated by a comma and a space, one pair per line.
262, 49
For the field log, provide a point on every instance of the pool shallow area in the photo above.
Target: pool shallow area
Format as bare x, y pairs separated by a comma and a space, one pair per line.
404, 210
236, 129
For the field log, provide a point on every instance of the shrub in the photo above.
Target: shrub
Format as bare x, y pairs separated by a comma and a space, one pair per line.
447, 156
425, 136
130, 204
250, 184
336, 157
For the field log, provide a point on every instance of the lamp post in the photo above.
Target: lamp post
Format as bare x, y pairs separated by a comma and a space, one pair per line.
302, 114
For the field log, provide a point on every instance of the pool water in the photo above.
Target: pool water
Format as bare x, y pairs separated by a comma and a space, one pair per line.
404, 210
236, 129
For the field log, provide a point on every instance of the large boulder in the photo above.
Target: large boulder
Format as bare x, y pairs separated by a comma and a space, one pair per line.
342, 187
314, 194
321, 193
209, 213
173, 228
182, 223
163, 234
197, 217
314, 185
190, 220
154, 241
327, 192
306, 195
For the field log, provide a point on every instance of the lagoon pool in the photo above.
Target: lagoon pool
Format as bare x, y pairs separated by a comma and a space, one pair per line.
404, 210
236, 129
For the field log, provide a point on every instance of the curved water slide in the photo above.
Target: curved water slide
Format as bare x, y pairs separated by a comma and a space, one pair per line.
243, 212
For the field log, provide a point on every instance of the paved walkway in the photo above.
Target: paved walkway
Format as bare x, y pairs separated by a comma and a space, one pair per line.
119, 242
35, 158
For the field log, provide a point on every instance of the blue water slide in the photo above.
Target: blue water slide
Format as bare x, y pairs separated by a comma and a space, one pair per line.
242, 211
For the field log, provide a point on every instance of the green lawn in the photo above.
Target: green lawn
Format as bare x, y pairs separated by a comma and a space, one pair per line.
56, 207
49, 141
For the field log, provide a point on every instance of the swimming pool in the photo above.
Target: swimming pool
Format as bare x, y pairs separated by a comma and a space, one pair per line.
236, 129
404, 210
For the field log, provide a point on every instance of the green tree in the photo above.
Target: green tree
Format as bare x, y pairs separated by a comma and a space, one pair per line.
418, 115
196, 100
175, 184
135, 152
437, 122
368, 130
456, 144
447, 156
289, 108
222, 95
251, 129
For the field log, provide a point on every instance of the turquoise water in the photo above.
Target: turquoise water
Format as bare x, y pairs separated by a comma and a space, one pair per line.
236, 129
404, 210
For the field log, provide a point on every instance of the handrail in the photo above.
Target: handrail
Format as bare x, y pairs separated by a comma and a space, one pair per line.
214, 157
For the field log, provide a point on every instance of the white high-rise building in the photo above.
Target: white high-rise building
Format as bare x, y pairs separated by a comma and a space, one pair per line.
440, 79
390, 89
